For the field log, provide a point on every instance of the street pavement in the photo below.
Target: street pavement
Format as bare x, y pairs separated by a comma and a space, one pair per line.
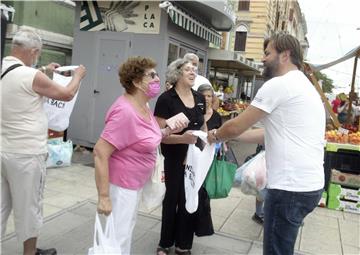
70, 204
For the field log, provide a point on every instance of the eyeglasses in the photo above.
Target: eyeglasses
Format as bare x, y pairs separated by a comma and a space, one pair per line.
152, 75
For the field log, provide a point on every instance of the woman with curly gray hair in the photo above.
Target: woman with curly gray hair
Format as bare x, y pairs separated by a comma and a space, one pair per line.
178, 226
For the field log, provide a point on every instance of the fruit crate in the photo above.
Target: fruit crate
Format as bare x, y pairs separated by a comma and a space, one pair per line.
342, 157
334, 147
343, 198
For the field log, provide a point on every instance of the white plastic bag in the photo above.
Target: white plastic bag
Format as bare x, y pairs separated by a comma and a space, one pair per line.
58, 112
253, 177
154, 189
104, 241
60, 153
197, 166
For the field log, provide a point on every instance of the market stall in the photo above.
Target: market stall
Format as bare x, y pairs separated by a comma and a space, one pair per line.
234, 80
342, 150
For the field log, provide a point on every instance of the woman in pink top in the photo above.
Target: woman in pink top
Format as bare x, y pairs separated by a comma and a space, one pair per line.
125, 154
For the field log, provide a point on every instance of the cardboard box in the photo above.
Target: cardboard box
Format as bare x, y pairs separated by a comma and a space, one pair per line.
346, 206
351, 180
336, 191
322, 202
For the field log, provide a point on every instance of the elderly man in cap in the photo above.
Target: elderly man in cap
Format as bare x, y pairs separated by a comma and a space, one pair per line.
24, 135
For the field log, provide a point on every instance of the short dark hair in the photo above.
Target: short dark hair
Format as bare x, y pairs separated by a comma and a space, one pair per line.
282, 42
133, 69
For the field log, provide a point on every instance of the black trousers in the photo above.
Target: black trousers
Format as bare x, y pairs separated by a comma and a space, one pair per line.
177, 225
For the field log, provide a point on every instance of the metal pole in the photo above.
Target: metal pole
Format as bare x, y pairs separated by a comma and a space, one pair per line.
253, 87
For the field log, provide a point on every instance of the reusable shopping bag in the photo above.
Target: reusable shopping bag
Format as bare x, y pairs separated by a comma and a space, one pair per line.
58, 112
154, 189
104, 240
60, 153
197, 165
220, 178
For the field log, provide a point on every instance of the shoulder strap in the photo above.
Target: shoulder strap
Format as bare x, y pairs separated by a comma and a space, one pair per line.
10, 69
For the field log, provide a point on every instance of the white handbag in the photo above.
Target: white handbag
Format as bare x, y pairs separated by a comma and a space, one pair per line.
104, 241
154, 189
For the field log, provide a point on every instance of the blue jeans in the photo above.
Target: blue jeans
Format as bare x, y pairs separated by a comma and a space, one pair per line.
284, 213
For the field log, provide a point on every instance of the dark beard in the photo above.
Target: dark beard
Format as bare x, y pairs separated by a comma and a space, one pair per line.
267, 73
270, 69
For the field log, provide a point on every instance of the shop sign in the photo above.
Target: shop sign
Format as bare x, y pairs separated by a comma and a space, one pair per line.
120, 16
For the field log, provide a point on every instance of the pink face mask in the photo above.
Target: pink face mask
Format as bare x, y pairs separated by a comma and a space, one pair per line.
153, 89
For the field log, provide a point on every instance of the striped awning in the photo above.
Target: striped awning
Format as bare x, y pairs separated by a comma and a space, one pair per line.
189, 23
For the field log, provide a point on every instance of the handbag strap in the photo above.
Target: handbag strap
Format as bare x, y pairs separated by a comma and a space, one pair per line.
10, 69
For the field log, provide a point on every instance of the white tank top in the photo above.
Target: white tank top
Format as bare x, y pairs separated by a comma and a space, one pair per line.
23, 120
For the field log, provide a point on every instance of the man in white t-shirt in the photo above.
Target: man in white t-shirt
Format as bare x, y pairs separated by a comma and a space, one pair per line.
294, 125
24, 135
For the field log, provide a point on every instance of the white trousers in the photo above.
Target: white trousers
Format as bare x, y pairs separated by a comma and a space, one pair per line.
125, 203
22, 186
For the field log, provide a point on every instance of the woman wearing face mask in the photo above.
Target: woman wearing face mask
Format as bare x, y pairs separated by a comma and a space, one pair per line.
178, 226
125, 154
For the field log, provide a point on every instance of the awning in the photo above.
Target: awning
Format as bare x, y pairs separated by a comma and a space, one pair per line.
229, 61
350, 54
189, 23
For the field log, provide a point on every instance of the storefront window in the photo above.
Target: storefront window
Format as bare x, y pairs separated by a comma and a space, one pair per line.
173, 53
178, 50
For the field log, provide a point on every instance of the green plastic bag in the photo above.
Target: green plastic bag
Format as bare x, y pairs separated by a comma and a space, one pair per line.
220, 178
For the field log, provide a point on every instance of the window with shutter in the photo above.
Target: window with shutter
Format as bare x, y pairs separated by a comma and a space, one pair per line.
244, 5
240, 41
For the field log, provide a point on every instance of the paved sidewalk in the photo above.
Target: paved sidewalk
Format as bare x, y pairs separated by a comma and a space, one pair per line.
70, 204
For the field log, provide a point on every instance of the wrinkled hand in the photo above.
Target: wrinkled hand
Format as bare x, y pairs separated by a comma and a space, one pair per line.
80, 72
52, 66
104, 205
211, 137
189, 138
179, 126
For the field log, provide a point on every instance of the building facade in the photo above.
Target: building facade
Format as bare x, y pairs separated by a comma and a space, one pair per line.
52, 20
258, 19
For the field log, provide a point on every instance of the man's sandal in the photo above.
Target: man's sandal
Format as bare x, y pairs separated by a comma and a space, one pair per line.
162, 251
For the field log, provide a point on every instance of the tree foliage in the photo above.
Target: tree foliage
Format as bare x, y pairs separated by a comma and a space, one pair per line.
327, 83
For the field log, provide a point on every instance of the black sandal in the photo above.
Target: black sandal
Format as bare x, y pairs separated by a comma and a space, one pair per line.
165, 251
182, 252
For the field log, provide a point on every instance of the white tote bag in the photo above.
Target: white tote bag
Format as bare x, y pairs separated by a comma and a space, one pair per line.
58, 112
104, 241
197, 166
154, 189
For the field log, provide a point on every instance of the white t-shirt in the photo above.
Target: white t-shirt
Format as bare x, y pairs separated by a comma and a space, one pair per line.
23, 121
294, 132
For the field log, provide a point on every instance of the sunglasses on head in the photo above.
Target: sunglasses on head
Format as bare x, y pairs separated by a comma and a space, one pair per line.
152, 75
